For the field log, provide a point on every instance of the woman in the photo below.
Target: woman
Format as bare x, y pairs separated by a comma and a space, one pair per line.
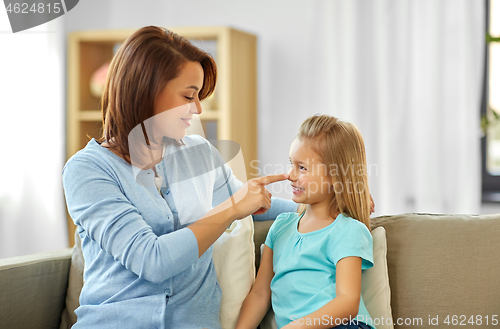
149, 201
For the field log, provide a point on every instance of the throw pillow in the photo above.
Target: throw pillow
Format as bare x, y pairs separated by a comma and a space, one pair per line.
234, 261
375, 284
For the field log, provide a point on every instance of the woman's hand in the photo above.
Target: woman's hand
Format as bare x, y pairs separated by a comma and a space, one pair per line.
253, 197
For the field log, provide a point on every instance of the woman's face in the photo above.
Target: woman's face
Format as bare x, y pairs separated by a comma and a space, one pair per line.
308, 175
178, 102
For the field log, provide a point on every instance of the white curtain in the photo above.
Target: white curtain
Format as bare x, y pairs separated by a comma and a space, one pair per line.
32, 215
408, 73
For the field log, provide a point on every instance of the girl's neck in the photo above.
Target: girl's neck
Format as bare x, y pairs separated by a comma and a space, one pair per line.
315, 218
320, 211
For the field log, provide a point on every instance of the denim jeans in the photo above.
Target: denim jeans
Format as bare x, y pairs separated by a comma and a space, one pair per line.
353, 325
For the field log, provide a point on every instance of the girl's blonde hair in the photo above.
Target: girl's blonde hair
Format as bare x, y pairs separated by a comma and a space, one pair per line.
342, 150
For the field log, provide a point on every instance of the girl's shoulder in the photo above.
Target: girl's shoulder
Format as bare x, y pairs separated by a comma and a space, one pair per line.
284, 220
287, 217
350, 226
283, 224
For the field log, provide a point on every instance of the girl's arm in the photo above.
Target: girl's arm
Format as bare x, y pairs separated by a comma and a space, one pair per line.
257, 302
344, 306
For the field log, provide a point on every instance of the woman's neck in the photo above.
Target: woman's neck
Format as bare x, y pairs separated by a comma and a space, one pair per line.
152, 157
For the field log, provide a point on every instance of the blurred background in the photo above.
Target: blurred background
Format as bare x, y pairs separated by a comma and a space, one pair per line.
416, 76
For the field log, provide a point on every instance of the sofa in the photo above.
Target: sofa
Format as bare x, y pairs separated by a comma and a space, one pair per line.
443, 271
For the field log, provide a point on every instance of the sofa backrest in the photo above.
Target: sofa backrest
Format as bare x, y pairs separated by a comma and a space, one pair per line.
32, 289
443, 269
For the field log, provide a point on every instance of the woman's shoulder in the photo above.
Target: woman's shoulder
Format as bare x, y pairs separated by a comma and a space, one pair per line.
94, 156
91, 153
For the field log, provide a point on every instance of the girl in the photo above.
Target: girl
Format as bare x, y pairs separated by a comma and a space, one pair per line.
312, 260
149, 201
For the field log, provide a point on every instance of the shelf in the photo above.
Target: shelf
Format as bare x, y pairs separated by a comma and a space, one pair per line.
90, 115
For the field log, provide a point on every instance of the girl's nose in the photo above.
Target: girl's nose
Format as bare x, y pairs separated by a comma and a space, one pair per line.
291, 175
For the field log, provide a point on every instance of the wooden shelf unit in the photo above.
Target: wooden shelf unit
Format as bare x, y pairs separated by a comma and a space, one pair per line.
231, 112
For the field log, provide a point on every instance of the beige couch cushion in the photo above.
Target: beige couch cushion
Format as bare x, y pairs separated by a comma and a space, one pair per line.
234, 262
375, 284
442, 265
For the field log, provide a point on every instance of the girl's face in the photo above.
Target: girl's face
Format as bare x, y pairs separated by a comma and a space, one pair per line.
308, 175
178, 102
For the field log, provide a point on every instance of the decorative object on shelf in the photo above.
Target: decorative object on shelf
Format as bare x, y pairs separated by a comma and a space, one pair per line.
98, 80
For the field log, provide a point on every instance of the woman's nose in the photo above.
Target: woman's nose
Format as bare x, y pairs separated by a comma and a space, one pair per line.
196, 109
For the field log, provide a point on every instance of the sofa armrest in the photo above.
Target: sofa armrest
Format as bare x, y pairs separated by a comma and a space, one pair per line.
33, 289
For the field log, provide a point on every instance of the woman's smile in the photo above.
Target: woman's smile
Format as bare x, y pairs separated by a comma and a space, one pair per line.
187, 121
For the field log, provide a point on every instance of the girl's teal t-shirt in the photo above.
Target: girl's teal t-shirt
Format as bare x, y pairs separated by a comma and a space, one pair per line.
304, 264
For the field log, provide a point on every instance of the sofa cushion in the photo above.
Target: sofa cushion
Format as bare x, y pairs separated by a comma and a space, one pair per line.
32, 289
442, 266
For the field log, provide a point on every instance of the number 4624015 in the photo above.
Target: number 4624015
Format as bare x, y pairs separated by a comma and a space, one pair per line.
36, 8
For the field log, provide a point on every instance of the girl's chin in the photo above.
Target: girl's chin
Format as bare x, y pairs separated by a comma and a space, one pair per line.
298, 198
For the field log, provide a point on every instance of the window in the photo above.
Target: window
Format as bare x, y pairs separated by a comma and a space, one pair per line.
490, 107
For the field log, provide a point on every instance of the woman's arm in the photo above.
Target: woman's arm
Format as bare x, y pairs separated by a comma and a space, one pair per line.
257, 302
97, 204
251, 198
344, 306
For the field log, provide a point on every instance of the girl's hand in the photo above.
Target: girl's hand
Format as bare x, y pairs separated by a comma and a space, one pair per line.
253, 197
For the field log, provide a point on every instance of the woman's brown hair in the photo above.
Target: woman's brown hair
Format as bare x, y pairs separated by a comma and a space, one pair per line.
138, 73
342, 150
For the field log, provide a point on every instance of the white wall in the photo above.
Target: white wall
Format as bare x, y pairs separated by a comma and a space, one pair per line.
280, 28
292, 85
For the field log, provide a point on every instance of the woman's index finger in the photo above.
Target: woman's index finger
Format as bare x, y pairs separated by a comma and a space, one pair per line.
272, 179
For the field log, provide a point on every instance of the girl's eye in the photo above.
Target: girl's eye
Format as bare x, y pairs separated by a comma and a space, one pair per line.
302, 168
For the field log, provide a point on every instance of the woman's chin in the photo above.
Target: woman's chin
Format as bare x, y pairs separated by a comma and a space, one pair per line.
177, 135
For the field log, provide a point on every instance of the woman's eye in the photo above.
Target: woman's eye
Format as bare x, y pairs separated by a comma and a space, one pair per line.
189, 98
